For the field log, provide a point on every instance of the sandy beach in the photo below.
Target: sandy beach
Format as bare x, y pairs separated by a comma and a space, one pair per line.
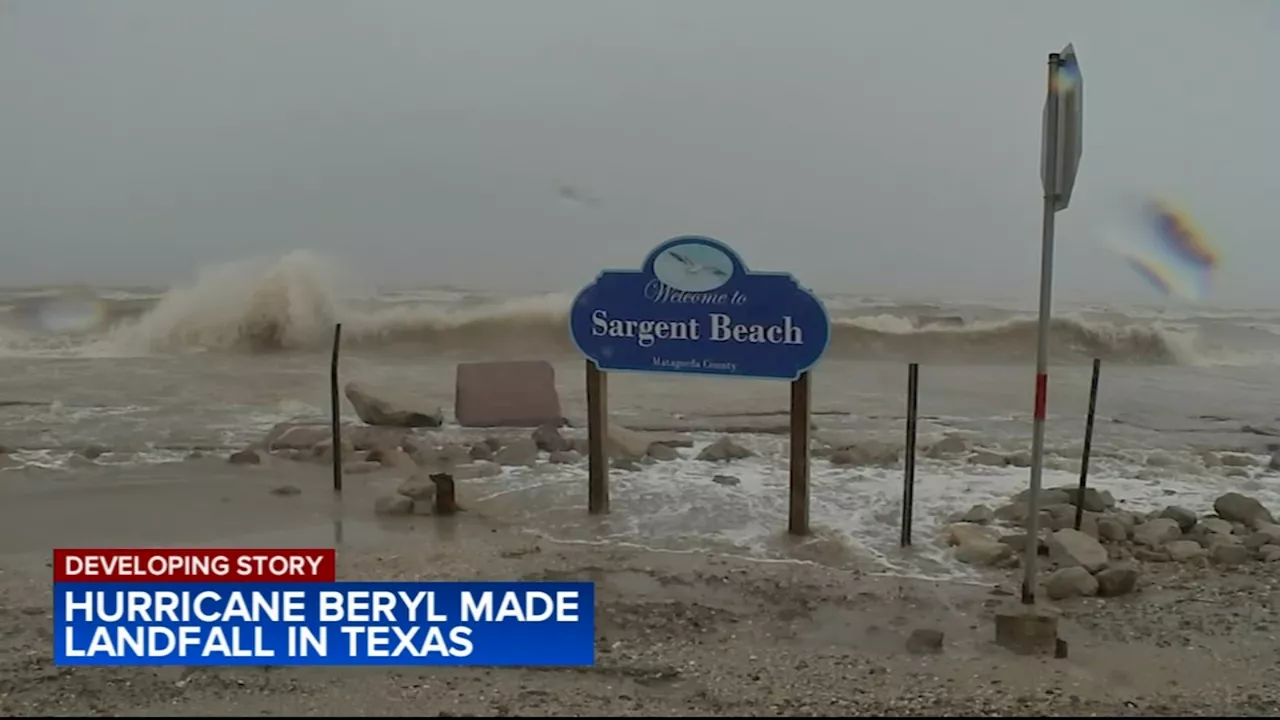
122, 437
695, 633
701, 215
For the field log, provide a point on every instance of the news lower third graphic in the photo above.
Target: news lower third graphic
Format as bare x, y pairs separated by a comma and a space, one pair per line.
212, 607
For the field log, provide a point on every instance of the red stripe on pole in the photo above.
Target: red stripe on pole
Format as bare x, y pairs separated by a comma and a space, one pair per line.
1042, 394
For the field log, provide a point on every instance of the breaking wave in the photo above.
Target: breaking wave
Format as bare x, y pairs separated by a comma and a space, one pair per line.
292, 303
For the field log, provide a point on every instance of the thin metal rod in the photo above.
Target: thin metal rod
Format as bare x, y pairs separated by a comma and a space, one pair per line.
335, 410
1088, 440
1052, 146
909, 453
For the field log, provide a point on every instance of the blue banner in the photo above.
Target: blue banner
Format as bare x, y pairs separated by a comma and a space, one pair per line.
345, 623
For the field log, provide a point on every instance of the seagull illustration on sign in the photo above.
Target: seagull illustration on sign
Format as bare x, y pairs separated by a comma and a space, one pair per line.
693, 267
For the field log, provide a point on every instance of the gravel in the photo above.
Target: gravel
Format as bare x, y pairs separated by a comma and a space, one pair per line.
704, 635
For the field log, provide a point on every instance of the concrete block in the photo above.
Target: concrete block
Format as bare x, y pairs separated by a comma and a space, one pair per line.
1028, 629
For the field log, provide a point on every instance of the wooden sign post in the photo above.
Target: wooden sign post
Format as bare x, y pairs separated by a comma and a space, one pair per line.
693, 308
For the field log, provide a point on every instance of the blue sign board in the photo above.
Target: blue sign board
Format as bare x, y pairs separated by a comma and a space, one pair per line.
693, 307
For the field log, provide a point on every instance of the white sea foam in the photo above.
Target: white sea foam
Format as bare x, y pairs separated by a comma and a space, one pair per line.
855, 512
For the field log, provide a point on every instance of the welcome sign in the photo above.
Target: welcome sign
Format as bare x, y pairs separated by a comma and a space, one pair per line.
694, 307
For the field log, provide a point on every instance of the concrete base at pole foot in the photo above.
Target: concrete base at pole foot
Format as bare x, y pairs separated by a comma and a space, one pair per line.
1028, 629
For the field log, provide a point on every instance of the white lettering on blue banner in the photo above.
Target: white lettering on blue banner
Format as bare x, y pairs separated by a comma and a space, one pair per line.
437, 623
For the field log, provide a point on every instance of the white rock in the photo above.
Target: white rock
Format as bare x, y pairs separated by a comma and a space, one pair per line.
1070, 547
1069, 582
1157, 532
1184, 550
965, 533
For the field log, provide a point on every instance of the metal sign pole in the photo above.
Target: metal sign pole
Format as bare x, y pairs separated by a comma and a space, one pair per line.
1052, 145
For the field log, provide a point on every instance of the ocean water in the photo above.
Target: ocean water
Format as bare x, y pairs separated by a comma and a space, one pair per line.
1188, 406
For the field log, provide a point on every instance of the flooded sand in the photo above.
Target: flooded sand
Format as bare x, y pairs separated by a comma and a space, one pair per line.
677, 633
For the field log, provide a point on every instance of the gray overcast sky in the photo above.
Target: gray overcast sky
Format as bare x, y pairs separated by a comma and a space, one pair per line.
868, 146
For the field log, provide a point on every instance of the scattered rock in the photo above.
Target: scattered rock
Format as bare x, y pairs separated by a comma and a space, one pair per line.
1184, 517
1091, 499
480, 451
659, 451
1157, 532
963, 533
1235, 459
626, 443
323, 452
1266, 534
723, 450
1112, 529
979, 514
1269, 553
1216, 525
949, 446
1154, 554
548, 439
564, 457
987, 457
1019, 458
1070, 582
1184, 551
1211, 539
286, 490
392, 458
395, 504
418, 487
869, 453
925, 642
380, 411
726, 480
522, 452
1011, 513
297, 436
457, 453
477, 469
1234, 507
93, 452
1117, 580
984, 553
1048, 497
1229, 554
625, 464
245, 457
1130, 520
1070, 547
1018, 542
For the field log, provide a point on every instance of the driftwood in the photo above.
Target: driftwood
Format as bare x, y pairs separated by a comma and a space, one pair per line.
446, 497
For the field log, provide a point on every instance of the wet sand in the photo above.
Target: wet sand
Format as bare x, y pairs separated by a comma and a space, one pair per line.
690, 633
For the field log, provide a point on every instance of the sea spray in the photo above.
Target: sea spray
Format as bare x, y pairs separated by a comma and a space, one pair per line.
291, 303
